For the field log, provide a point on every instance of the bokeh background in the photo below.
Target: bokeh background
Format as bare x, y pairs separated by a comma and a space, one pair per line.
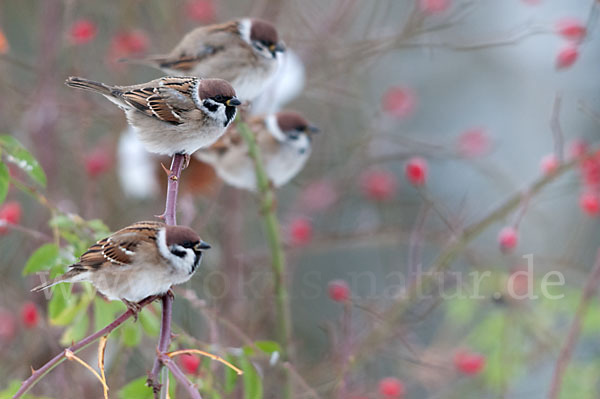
491, 95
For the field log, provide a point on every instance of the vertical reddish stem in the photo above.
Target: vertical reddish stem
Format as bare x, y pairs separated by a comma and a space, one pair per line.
170, 217
172, 189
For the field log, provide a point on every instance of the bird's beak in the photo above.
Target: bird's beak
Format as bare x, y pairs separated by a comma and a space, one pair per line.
202, 245
313, 129
277, 48
233, 102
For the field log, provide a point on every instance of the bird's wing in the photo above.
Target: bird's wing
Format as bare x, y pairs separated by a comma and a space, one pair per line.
119, 249
163, 99
200, 45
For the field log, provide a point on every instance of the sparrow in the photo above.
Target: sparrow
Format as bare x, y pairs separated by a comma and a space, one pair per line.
172, 115
244, 52
284, 140
137, 262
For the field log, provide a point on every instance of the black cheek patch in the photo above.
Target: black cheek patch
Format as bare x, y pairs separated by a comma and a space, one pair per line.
230, 114
179, 253
196, 262
210, 106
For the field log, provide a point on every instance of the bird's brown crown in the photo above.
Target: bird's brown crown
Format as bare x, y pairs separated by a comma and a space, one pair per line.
263, 31
290, 120
181, 235
210, 88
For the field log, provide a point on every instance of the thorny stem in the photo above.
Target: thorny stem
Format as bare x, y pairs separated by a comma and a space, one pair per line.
268, 210
164, 339
56, 360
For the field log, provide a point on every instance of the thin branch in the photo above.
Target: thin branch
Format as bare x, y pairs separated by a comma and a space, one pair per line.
207, 354
397, 309
557, 133
39, 373
566, 352
71, 356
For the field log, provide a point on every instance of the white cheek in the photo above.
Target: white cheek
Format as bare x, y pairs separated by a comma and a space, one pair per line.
219, 115
273, 127
302, 144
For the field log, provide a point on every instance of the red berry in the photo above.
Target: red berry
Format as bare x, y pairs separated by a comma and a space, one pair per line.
434, 6
338, 291
391, 387
318, 195
571, 28
7, 325
10, 213
416, 171
508, 238
4, 45
29, 314
474, 143
127, 43
190, 363
379, 185
201, 10
399, 102
549, 164
97, 162
468, 362
577, 148
590, 203
301, 231
567, 56
82, 31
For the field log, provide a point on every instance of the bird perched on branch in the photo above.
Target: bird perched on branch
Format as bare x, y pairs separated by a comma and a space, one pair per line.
244, 52
136, 262
172, 115
284, 140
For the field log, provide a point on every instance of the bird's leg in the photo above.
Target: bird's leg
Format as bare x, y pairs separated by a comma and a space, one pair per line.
134, 307
171, 293
186, 161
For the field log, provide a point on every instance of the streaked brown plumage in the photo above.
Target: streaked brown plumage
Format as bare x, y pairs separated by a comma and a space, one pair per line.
172, 115
138, 261
243, 52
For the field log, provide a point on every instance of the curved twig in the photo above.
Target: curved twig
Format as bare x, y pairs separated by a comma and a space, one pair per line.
56, 360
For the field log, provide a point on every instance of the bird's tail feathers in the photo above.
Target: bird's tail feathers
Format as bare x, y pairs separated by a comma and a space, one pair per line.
71, 276
85, 84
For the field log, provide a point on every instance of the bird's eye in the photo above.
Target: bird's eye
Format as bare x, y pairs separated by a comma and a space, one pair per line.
219, 98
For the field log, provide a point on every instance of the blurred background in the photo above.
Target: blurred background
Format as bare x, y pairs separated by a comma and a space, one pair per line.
450, 130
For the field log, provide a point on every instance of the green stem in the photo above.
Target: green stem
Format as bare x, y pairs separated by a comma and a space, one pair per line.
268, 210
